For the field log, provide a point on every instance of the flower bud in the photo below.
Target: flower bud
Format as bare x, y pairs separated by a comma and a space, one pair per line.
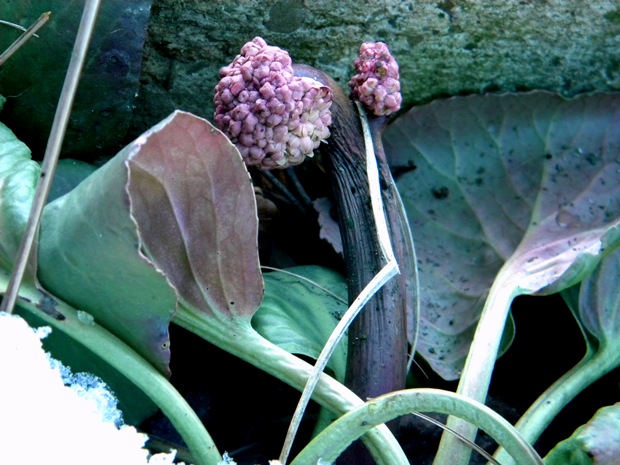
275, 118
376, 83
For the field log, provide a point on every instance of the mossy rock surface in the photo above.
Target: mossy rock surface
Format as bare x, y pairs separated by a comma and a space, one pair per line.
444, 47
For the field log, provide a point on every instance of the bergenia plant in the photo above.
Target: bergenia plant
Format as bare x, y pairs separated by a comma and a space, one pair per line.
513, 193
205, 263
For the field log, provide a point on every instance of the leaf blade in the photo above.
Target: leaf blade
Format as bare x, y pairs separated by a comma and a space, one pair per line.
191, 184
595, 443
480, 186
18, 180
299, 317
89, 256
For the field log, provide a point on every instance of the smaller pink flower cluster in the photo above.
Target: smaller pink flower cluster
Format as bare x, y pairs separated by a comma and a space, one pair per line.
275, 118
376, 83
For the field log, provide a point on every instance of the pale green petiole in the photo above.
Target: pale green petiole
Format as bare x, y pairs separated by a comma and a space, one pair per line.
237, 337
328, 445
476, 376
593, 366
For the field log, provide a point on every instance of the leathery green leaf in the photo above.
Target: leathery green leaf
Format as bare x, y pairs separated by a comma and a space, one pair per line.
526, 183
89, 255
18, 180
298, 315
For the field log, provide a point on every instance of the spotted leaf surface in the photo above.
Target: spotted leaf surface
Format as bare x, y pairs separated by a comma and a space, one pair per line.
525, 183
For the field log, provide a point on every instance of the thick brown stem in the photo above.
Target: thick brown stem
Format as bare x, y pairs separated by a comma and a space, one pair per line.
377, 352
377, 357
377, 338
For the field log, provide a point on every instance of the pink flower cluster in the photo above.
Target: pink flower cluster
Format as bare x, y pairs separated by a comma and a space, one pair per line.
275, 118
376, 83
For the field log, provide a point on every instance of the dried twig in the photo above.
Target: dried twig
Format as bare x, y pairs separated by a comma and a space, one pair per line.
50, 159
21, 40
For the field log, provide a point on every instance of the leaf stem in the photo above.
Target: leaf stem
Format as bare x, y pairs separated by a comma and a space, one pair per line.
292, 174
328, 445
339, 331
237, 337
402, 237
52, 151
372, 173
284, 190
542, 412
476, 376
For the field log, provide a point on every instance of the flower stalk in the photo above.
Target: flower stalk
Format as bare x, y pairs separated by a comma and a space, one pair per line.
378, 338
277, 113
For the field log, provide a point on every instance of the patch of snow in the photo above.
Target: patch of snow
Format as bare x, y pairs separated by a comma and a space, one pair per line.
42, 420
227, 460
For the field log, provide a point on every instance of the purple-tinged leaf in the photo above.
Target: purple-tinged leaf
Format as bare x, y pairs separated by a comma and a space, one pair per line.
329, 226
194, 204
172, 216
527, 183
595, 443
599, 303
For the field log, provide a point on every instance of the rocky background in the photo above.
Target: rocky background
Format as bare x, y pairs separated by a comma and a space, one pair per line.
150, 57
444, 47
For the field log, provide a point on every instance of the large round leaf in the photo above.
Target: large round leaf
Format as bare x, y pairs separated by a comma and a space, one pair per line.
528, 183
599, 304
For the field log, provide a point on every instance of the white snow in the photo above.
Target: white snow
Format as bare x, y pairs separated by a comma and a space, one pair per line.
42, 421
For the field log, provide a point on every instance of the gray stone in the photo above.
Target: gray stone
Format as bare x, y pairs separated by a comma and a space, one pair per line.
444, 47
